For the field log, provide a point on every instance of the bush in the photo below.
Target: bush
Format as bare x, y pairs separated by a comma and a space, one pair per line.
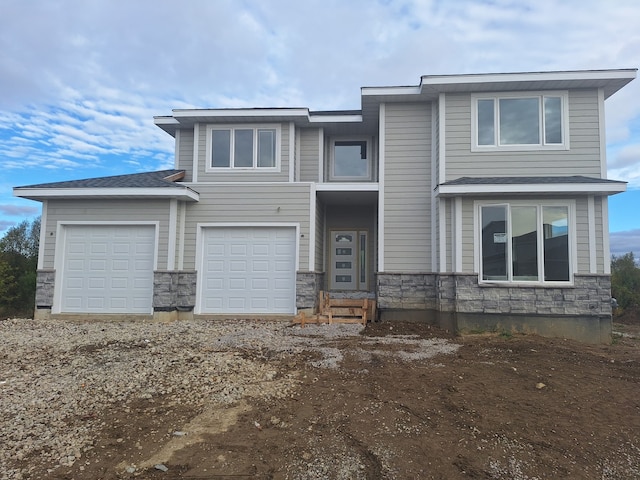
625, 281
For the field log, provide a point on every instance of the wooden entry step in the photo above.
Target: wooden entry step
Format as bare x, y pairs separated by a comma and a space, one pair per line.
340, 310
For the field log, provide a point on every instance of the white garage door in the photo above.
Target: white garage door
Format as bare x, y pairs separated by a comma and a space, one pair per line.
108, 269
248, 270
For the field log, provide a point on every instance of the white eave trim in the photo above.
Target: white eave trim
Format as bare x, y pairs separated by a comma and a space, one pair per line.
241, 113
528, 77
335, 118
377, 91
50, 193
347, 187
498, 189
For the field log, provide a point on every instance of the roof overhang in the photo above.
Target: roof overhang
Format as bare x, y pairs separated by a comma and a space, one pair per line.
40, 194
501, 189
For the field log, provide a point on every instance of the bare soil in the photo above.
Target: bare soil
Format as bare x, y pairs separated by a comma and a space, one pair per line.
499, 407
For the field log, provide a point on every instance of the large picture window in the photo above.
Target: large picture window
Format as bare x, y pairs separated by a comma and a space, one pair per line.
520, 122
242, 147
525, 243
351, 160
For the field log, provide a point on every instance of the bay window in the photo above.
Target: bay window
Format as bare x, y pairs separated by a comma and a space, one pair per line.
520, 122
525, 243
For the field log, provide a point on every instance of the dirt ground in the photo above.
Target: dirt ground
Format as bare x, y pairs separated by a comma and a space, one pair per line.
500, 407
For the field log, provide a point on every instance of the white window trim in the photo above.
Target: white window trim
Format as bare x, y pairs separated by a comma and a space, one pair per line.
572, 241
255, 128
563, 94
370, 153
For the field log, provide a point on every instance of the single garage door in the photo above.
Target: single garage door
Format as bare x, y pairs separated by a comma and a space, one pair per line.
108, 269
248, 270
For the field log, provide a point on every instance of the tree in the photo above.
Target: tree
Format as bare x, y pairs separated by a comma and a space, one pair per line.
18, 264
625, 281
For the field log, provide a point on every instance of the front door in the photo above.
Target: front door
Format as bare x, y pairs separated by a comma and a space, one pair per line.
348, 260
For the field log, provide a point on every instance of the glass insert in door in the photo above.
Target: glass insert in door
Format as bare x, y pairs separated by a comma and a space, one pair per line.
344, 250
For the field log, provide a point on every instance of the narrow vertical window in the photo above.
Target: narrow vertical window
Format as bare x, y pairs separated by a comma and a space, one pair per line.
524, 243
220, 148
552, 120
494, 243
555, 227
363, 260
266, 148
486, 122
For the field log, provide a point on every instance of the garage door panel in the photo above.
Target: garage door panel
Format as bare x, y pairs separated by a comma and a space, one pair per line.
108, 269
240, 273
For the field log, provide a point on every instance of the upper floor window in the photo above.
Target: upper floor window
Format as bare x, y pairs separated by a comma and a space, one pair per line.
520, 122
525, 242
350, 160
242, 147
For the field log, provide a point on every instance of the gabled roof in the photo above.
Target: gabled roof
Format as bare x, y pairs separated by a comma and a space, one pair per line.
556, 185
160, 184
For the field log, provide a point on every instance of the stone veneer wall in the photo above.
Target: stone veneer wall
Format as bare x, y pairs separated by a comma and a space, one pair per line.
45, 282
459, 303
308, 286
590, 295
406, 291
174, 290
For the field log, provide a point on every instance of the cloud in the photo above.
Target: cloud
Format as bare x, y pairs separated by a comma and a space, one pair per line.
18, 210
625, 242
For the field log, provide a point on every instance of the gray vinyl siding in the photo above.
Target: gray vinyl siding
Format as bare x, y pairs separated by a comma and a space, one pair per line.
599, 235
468, 237
320, 237
583, 157
407, 188
243, 175
309, 154
582, 235
106, 211
185, 153
246, 203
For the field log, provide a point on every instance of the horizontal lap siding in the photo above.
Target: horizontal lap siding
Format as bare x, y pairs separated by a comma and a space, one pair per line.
582, 234
309, 154
185, 153
407, 188
245, 203
320, 235
583, 158
599, 235
468, 237
106, 210
244, 175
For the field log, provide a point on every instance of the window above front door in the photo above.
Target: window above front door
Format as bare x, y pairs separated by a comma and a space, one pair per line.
351, 160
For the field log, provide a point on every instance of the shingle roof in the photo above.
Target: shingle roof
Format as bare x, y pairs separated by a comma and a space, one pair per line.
160, 179
527, 180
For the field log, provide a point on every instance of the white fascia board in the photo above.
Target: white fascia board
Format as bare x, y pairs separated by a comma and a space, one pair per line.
165, 121
50, 193
608, 188
347, 187
529, 77
335, 119
242, 112
377, 91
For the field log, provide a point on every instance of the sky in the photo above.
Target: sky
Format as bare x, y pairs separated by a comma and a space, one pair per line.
81, 80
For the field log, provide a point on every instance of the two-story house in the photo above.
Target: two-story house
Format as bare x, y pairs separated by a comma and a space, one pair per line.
478, 202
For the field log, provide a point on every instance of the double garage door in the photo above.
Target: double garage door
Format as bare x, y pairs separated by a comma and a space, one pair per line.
247, 270
243, 270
